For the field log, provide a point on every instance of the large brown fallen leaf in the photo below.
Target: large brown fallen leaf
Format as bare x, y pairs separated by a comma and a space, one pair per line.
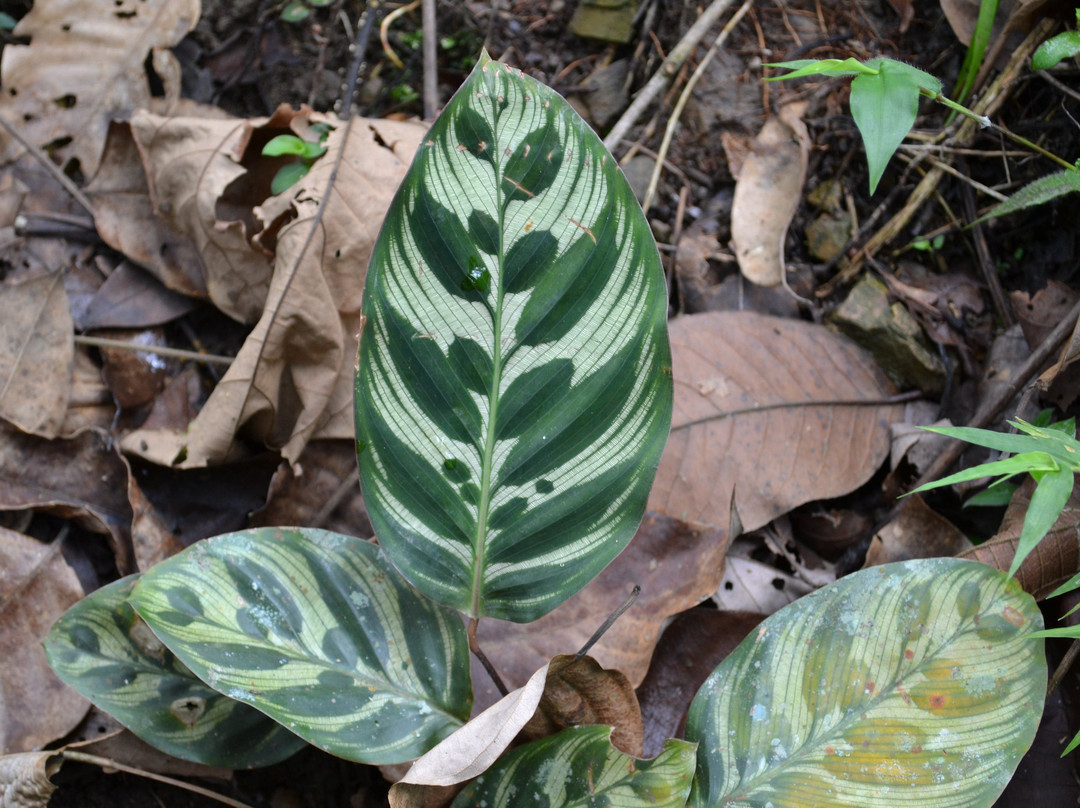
772, 405
86, 65
37, 353
767, 194
292, 380
36, 587
917, 531
677, 565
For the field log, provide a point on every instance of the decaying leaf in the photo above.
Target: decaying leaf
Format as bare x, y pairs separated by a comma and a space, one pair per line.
24, 779
293, 377
691, 647
917, 531
87, 64
81, 478
36, 586
773, 405
470, 750
677, 565
37, 353
767, 194
1054, 560
754, 586
580, 692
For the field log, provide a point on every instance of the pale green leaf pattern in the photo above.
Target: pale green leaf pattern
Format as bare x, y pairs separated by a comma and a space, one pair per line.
101, 648
319, 632
915, 684
513, 385
579, 768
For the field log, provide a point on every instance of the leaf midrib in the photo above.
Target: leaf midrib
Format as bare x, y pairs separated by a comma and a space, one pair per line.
480, 539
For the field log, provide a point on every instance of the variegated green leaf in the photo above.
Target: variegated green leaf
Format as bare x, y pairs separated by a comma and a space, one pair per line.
915, 684
513, 392
580, 767
104, 650
319, 632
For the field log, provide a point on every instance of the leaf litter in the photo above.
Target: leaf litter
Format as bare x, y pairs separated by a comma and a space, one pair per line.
181, 191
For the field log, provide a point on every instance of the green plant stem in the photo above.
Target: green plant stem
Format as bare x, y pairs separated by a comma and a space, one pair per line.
478, 652
615, 615
985, 123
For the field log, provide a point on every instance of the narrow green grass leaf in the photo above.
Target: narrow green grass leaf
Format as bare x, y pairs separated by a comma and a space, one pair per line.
105, 651
1018, 464
319, 632
916, 683
579, 768
822, 67
513, 389
1052, 491
1039, 192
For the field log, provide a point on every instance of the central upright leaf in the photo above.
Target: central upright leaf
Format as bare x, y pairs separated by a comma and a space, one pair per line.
514, 389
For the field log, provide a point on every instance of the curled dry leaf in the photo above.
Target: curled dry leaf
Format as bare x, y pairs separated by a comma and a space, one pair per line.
293, 378
127, 220
37, 353
24, 779
774, 405
36, 586
86, 64
471, 749
1054, 560
767, 194
580, 692
677, 565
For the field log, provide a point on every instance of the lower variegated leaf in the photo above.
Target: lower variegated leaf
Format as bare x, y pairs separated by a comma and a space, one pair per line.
580, 767
105, 651
319, 632
915, 683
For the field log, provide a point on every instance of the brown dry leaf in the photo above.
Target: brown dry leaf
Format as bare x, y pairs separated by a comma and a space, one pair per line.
1038, 316
917, 531
767, 194
90, 404
471, 750
126, 219
677, 566
151, 539
24, 779
36, 587
81, 478
37, 353
133, 298
580, 692
86, 65
690, 648
1054, 560
293, 378
322, 490
767, 402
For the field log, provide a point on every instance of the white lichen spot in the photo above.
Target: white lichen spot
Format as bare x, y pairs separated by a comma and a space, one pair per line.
759, 712
359, 599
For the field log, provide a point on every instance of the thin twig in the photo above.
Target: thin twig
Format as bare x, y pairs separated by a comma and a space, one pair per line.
160, 350
384, 32
50, 166
107, 763
679, 54
1053, 82
899, 398
684, 96
477, 651
1063, 666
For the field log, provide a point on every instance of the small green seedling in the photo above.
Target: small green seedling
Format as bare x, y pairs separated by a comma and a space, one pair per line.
884, 101
299, 10
1057, 48
308, 152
